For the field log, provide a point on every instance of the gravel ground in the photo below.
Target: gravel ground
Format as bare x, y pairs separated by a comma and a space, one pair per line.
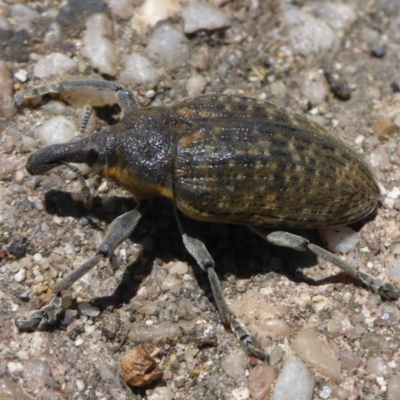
328, 336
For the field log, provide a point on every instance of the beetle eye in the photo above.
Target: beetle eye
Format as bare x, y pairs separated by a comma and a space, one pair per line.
92, 157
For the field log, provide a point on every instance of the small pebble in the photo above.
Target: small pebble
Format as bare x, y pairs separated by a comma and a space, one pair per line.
340, 393
139, 70
57, 130
235, 363
294, 382
171, 283
22, 14
80, 384
152, 12
37, 257
168, 47
179, 268
384, 126
378, 51
339, 16
39, 288
7, 107
20, 276
394, 193
88, 310
240, 393
36, 372
315, 351
379, 159
28, 144
397, 121
303, 300
100, 51
150, 94
389, 313
394, 270
199, 16
275, 355
10, 390
394, 388
89, 329
201, 59
339, 239
21, 75
53, 64
395, 87
4, 24
321, 303
350, 360
314, 87
241, 285
14, 367
54, 34
378, 367
325, 392
195, 85
121, 8
334, 327
161, 393
308, 34
374, 341
338, 85
262, 320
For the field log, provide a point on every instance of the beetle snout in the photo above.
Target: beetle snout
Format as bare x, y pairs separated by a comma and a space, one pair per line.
81, 151
44, 160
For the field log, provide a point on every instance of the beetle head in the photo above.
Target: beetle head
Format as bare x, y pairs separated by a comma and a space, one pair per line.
90, 151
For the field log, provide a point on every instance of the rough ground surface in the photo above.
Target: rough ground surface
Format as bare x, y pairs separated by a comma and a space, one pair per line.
263, 49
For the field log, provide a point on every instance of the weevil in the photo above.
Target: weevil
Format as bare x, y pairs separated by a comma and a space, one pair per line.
217, 158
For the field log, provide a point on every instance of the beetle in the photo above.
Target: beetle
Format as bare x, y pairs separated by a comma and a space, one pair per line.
217, 158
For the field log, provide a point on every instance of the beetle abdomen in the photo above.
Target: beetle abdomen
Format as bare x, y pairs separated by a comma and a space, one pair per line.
251, 162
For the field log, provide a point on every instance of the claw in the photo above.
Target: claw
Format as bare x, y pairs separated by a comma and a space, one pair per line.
41, 319
247, 341
389, 291
32, 323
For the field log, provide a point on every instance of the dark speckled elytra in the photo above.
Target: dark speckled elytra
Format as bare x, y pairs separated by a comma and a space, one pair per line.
229, 159
219, 158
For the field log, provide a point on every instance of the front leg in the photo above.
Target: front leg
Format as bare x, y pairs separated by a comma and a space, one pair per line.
125, 98
119, 230
203, 258
295, 242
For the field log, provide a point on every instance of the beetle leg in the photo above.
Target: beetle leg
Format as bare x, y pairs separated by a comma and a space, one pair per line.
125, 97
285, 239
119, 230
87, 112
203, 258
85, 191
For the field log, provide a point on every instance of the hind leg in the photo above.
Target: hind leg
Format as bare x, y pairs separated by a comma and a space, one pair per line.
295, 242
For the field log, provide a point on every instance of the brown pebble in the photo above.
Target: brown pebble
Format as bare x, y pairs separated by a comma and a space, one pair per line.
384, 126
241, 285
6, 86
261, 379
139, 367
168, 375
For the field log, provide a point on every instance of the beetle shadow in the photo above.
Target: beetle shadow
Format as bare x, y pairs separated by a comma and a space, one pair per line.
236, 250
63, 204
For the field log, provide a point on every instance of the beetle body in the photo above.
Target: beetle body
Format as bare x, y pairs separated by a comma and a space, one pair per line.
218, 158
230, 159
